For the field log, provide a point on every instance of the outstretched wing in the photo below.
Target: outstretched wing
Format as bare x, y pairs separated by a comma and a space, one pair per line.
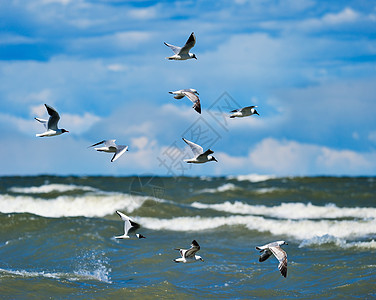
265, 255
128, 223
196, 149
96, 144
206, 153
54, 117
120, 150
175, 49
195, 99
189, 44
44, 122
281, 255
192, 251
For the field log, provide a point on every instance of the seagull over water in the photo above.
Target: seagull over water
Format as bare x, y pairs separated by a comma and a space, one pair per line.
189, 255
244, 112
200, 156
129, 227
275, 249
111, 147
191, 94
182, 53
51, 123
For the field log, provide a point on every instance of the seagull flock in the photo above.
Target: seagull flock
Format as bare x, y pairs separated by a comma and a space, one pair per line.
130, 227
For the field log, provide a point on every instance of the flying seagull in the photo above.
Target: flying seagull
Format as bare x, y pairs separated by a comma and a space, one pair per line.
275, 249
200, 156
129, 227
189, 255
182, 53
111, 147
244, 112
51, 123
191, 94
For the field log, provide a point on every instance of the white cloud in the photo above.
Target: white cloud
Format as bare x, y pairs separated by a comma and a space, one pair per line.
347, 15
78, 124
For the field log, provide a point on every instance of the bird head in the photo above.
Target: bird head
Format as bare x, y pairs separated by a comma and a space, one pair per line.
256, 112
282, 243
213, 158
194, 56
140, 236
63, 130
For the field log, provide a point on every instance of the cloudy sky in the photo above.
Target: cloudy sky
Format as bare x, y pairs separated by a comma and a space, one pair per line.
308, 65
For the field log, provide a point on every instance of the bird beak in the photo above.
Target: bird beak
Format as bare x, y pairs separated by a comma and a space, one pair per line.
256, 113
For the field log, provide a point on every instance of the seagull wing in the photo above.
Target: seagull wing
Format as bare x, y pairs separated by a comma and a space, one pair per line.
54, 117
119, 152
175, 49
192, 251
265, 255
196, 149
281, 255
129, 225
189, 44
195, 99
44, 122
206, 153
96, 144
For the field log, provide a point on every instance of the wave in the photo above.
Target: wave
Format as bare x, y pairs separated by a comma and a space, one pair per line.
298, 229
89, 205
101, 274
49, 188
251, 177
294, 211
223, 188
329, 239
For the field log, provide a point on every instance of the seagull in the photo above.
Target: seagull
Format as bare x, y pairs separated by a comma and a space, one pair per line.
200, 156
244, 112
51, 123
189, 255
129, 227
191, 94
111, 147
182, 53
275, 249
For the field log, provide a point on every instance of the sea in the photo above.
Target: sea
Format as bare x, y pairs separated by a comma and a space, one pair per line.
57, 237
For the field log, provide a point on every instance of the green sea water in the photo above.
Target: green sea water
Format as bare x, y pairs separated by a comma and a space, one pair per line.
57, 237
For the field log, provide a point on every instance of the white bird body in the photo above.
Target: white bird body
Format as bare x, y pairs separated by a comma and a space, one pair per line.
50, 124
191, 94
244, 112
111, 147
200, 156
182, 53
189, 255
276, 250
129, 227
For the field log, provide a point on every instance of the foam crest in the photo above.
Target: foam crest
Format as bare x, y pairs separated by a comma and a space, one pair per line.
88, 205
99, 275
298, 229
49, 188
294, 211
223, 188
252, 177
339, 242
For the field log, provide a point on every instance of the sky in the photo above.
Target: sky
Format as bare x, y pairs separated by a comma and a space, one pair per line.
308, 65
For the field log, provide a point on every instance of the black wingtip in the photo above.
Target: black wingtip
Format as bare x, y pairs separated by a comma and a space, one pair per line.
194, 243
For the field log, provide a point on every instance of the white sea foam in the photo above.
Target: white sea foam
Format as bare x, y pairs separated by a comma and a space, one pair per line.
299, 229
223, 188
48, 188
293, 211
101, 274
88, 205
340, 242
252, 177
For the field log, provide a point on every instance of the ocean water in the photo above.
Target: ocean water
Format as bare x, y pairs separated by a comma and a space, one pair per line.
57, 237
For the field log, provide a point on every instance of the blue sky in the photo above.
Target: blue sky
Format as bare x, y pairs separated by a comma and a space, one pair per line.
308, 65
